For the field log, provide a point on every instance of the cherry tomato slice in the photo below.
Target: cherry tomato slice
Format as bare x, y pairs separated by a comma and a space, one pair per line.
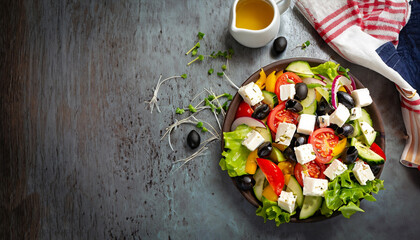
273, 174
244, 110
323, 140
313, 169
286, 78
374, 147
279, 115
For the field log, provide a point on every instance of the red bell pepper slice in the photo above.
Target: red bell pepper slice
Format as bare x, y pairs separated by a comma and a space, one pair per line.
374, 147
273, 174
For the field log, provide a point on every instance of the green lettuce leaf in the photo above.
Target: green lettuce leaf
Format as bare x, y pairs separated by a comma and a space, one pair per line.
327, 69
271, 211
350, 209
325, 210
344, 194
235, 154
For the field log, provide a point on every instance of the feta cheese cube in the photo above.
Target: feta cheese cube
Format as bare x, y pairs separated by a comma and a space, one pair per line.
306, 124
251, 93
287, 201
362, 172
334, 169
324, 121
314, 186
305, 153
355, 113
361, 97
340, 115
287, 91
253, 140
368, 132
285, 132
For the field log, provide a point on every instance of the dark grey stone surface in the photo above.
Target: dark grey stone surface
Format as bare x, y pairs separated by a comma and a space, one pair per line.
82, 156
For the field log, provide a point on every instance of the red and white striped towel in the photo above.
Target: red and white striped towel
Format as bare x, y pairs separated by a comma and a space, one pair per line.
356, 30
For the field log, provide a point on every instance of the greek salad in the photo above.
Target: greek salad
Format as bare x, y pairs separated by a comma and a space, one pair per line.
304, 144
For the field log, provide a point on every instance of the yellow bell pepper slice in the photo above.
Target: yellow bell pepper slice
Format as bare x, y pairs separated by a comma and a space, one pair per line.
261, 81
342, 89
278, 74
269, 193
339, 148
318, 96
270, 84
286, 167
251, 162
287, 179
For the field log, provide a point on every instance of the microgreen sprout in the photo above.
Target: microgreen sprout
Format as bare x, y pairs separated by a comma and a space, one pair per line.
220, 74
210, 71
200, 57
192, 109
179, 111
194, 52
305, 44
204, 129
226, 54
224, 67
197, 45
228, 79
200, 35
199, 124
154, 99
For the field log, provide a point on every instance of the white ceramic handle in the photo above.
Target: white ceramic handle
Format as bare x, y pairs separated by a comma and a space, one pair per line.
283, 6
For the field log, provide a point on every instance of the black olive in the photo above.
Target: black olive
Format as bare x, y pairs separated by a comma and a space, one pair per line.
193, 139
245, 182
297, 140
375, 169
279, 45
261, 111
301, 91
294, 106
265, 149
349, 155
345, 99
289, 154
324, 107
345, 130
334, 126
300, 141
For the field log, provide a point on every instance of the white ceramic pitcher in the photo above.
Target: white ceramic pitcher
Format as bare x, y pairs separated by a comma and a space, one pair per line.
258, 38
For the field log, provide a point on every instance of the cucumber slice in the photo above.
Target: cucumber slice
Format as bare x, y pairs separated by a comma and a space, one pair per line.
265, 133
311, 204
324, 92
357, 130
300, 67
270, 99
309, 99
366, 154
296, 189
311, 109
259, 178
356, 123
276, 155
365, 117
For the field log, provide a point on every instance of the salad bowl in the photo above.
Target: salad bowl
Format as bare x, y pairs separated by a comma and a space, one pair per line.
278, 66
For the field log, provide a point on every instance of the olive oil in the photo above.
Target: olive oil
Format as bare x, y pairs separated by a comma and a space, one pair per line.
253, 14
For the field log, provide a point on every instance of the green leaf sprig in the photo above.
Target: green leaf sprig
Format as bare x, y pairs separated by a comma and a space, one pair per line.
305, 44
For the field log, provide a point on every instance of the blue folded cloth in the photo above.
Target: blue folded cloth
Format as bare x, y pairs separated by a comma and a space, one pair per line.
406, 58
